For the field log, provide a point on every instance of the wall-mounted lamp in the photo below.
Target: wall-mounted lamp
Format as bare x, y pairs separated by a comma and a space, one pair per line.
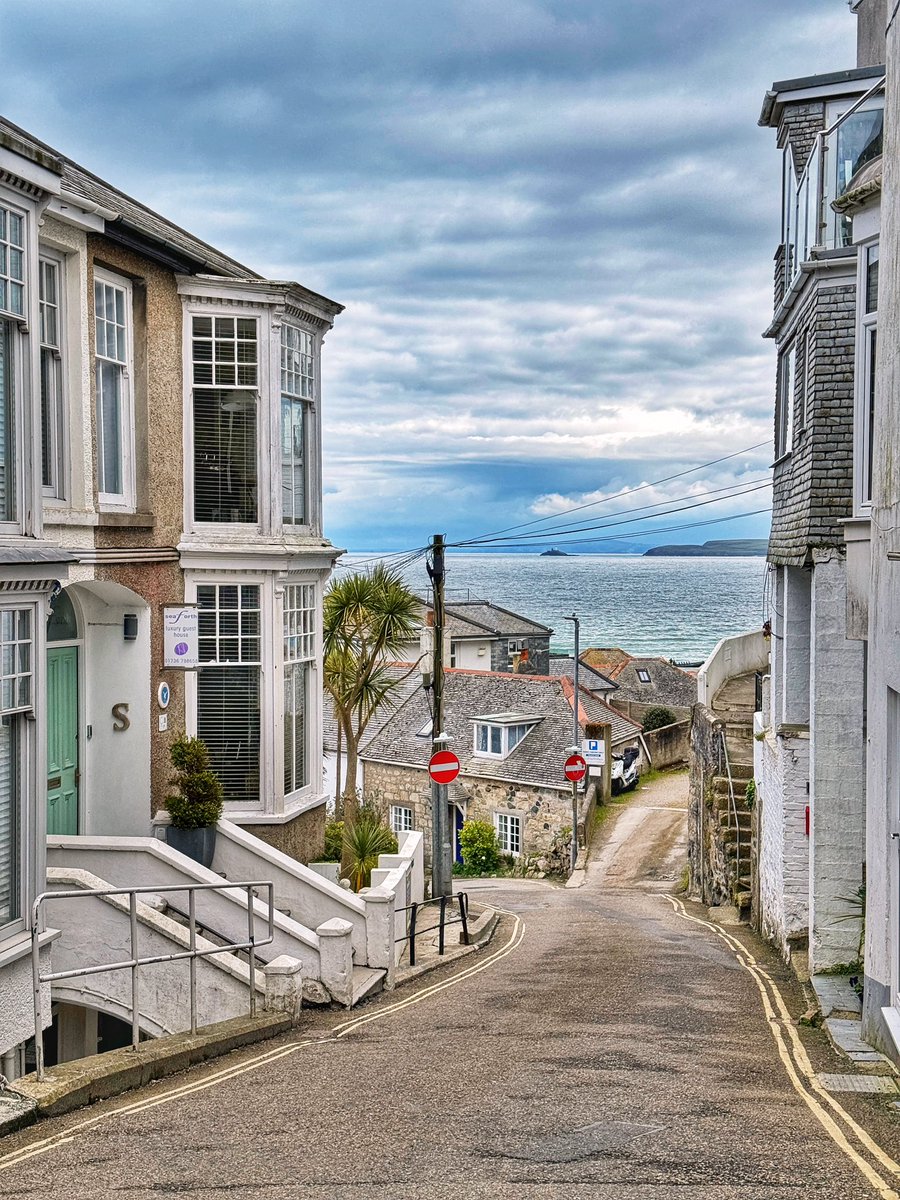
130, 627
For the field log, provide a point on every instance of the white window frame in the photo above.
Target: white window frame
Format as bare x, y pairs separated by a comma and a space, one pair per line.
57, 488
401, 818
784, 411
299, 648
833, 111
505, 748
267, 714
124, 500
262, 320
23, 374
504, 823
864, 379
28, 817
304, 397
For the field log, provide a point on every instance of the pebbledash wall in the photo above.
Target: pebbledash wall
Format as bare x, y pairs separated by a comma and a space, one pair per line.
545, 812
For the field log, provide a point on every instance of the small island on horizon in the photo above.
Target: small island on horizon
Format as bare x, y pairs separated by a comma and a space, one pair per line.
731, 548
554, 553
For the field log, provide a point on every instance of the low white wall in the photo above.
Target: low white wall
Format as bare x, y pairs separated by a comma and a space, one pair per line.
781, 769
148, 862
96, 930
402, 874
732, 656
310, 899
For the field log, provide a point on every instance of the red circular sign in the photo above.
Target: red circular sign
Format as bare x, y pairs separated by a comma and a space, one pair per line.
575, 767
444, 766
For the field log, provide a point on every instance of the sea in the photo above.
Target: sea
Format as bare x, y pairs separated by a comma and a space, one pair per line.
675, 608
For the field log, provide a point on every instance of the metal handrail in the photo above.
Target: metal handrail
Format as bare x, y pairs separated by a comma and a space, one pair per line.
413, 931
737, 828
134, 963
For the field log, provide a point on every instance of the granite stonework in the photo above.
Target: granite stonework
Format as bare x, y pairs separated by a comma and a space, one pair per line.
710, 868
545, 813
302, 837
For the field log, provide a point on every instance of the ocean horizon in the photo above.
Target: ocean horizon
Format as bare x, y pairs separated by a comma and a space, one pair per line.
675, 608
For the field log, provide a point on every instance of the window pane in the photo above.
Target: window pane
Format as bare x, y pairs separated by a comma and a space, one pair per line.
872, 279
496, 740
293, 470
225, 482
295, 704
228, 721
109, 427
219, 344
9, 819
870, 447
482, 737
12, 262
7, 428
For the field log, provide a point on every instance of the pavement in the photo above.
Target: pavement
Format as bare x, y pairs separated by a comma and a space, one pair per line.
611, 1042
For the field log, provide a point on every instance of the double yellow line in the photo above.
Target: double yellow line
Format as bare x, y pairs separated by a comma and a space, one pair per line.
840, 1127
344, 1029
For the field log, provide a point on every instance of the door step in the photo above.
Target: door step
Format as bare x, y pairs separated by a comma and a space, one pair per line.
365, 981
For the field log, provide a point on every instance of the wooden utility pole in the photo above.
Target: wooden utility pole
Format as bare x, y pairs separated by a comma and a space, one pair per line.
441, 856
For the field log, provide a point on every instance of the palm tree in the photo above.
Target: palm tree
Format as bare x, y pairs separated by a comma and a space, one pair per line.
368, 618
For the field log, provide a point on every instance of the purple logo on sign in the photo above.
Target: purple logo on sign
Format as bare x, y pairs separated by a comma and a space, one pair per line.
181, 648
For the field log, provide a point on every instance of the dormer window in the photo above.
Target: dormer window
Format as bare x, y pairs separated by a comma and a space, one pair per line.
498, 735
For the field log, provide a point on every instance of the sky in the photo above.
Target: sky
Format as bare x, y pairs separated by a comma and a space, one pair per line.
551, 223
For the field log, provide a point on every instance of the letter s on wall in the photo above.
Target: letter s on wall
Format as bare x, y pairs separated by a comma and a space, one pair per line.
120, 717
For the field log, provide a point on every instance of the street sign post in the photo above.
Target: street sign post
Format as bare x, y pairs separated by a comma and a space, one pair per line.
444, 766
593, 751
575, 768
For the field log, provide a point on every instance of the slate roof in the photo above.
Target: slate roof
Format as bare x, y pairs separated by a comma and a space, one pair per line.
500, 621
131, 215
668, 684
410, 682
588, 677
538, 758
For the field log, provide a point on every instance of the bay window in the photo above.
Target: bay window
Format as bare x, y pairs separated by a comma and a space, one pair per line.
299, 654
225, 374
228, 685
113, 383
297, 391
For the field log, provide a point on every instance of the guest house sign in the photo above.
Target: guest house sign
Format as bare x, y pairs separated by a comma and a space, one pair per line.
180, 641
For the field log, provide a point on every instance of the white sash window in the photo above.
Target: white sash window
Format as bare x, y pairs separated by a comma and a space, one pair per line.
113, 377
52, 408
297, 392
228, 686
16, 698
225, 374
299, 653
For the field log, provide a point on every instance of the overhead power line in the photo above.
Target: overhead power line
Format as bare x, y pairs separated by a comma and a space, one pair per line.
615, 495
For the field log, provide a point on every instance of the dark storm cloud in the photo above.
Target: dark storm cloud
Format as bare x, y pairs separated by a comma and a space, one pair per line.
551, 222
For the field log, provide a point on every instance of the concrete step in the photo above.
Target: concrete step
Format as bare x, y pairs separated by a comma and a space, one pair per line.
365, 981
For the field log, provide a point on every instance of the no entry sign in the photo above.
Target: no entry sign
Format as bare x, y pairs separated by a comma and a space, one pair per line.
575, 767
444, 766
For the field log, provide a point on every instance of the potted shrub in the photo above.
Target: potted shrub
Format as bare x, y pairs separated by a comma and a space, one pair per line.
197, 807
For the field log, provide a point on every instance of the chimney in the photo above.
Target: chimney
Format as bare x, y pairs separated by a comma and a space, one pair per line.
871, 19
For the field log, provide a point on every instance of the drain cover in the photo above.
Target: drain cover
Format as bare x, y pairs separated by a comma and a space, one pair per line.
857, 1083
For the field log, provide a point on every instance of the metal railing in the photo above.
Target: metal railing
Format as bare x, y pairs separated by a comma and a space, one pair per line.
413, 931
134, 963
734, 813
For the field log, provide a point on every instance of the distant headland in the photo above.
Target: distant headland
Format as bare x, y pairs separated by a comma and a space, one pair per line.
733, 548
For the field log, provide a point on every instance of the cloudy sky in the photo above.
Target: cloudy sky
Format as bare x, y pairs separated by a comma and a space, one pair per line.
551, 223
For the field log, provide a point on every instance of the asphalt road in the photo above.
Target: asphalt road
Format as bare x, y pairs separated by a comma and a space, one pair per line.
609, 1048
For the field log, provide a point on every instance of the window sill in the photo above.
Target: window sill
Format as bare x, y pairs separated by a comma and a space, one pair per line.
782, 458
19, 945
126, 520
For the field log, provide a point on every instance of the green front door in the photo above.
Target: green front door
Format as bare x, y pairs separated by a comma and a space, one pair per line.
62, 739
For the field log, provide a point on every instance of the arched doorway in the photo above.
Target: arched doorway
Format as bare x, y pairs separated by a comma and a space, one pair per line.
63, 767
